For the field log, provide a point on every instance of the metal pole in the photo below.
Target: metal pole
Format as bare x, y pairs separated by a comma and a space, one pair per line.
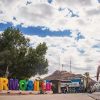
7, 73
59, 61
70, 65
62, 67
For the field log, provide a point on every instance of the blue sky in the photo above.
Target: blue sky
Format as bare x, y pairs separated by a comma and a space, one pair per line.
40, 31
36, 30
70, 28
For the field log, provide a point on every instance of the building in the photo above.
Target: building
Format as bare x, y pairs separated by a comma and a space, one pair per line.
63, 81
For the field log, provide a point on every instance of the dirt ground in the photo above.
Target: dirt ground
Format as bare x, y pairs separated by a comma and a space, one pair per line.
47, 97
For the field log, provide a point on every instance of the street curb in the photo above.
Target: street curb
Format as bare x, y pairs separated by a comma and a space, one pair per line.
93, 97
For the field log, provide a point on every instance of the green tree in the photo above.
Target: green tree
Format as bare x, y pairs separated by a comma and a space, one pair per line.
17, 55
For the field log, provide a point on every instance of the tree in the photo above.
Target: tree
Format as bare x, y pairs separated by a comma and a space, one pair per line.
17, 55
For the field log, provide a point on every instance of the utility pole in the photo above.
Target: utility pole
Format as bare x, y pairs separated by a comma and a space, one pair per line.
62, 67
70, 65
59, 62
7, 73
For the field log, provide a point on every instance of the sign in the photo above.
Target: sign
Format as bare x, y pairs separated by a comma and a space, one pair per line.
71, 84
74, 84
24, 85
63, 84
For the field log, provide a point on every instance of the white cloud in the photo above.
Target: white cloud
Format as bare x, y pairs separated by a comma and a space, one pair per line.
0, 32
41, 13
61, 49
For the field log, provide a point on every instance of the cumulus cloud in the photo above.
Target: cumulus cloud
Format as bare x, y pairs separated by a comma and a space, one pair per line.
42, 13
0, 32
62, 49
